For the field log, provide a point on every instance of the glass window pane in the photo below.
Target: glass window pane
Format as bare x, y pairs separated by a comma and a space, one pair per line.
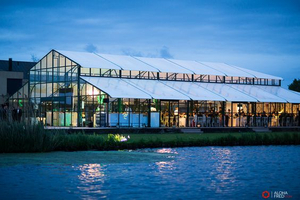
62, 61
95, 72
135, 74
43, 90
43, 63
125, 73
49, 60
85, 71
49, 89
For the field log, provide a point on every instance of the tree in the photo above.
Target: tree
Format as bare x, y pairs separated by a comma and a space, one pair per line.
295, 85
34, 58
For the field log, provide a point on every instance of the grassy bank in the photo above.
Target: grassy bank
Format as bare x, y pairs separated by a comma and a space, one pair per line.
22, 138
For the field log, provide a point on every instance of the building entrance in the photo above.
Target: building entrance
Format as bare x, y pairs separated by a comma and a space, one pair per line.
169, 113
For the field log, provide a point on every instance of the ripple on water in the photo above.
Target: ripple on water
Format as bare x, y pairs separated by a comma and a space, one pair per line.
164, 173
80, 157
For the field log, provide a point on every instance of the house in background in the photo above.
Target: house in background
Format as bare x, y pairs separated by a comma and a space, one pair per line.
13, 74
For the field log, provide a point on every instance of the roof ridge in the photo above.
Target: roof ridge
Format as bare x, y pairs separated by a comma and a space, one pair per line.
211, 67
108, 60
240, 69
179, 65
145, 62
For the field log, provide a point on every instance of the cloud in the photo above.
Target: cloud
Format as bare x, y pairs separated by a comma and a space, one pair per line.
262, 36
165, 53
132, 52
91, 48
7, 35
90, 21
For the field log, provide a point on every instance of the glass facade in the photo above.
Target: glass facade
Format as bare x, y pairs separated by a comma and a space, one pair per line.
131, 74
56, 96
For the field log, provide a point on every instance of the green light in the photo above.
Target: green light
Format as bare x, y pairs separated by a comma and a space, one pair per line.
100, 99
20, 103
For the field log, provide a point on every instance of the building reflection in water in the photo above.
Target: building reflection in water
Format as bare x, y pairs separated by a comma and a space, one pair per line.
223, 169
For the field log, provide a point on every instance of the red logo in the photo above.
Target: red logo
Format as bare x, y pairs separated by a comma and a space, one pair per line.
265, 194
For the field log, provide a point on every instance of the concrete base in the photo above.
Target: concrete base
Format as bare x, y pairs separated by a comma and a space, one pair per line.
191, 130
126, 130
261, 130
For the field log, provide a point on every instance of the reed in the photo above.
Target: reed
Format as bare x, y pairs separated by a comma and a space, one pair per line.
241, 139
18, 137
22, 138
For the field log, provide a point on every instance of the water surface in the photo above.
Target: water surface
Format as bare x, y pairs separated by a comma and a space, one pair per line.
177, 173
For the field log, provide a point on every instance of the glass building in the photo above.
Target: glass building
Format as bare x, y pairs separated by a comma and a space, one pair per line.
99, 90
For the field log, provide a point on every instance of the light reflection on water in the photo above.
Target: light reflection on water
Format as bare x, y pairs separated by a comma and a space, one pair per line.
166, 165
90, 173
165, 173
166, 150
223, 169
91, 181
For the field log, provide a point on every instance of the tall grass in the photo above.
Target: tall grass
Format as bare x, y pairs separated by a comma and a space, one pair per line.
16, 137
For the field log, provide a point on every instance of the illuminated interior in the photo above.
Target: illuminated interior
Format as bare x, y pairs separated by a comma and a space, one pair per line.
61, 93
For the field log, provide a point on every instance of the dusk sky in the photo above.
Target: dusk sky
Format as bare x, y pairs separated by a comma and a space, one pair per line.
258, 35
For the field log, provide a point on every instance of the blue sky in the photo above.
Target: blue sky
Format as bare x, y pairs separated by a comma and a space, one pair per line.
259, 35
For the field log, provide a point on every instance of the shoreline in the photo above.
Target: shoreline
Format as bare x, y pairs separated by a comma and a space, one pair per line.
20, 138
